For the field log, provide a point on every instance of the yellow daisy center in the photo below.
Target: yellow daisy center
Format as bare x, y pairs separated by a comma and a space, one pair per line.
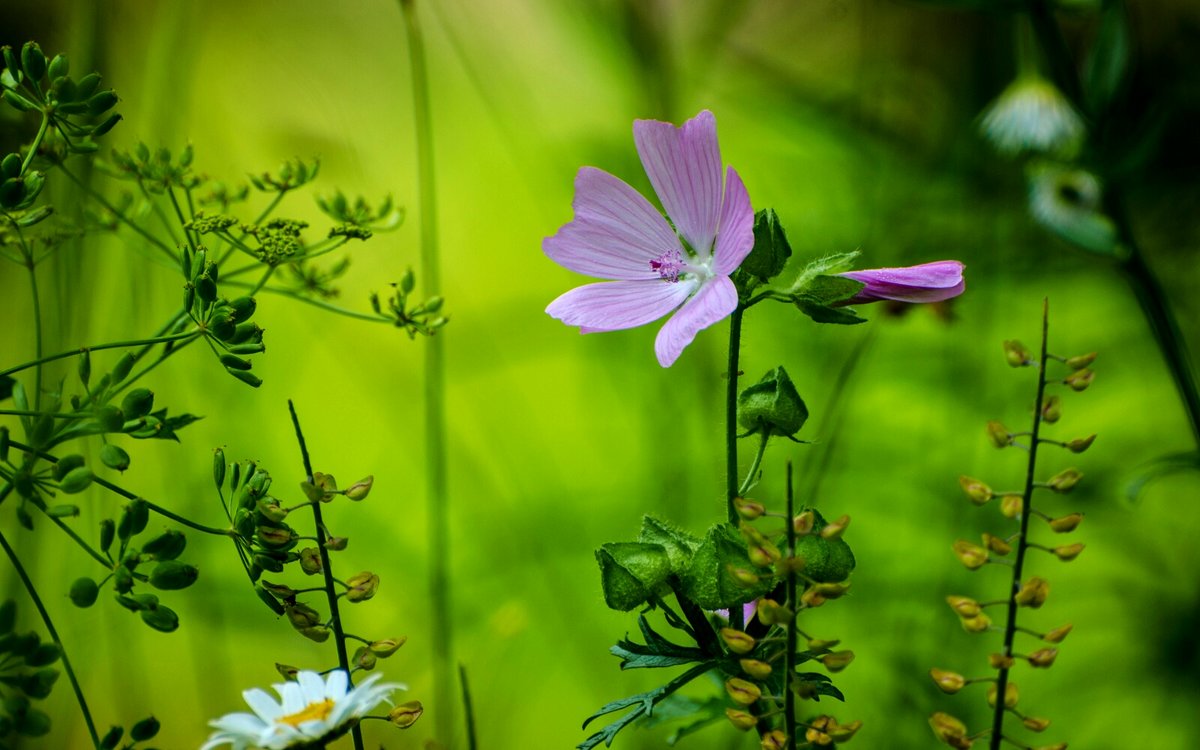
312, 712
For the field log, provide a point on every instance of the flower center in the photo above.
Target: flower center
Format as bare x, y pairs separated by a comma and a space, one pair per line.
312, 712
669, 265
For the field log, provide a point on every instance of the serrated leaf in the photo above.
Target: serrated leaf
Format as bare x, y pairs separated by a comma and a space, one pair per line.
644, 704
656, 653
679, 544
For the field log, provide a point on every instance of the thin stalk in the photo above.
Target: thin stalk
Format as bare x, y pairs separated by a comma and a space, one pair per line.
120, 216
293, 294
468, 711
158, 211
1010, 627
98, 347
737, 619
789, 655
37, 143
331, 596
37, 602
37, 328
758, 456
182, 219
435, 399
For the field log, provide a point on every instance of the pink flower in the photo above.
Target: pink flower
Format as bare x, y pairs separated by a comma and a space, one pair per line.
656, 269
928, 282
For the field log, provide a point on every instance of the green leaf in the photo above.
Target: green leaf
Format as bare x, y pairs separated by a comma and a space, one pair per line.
707, 581
824, 314
657, 652
771, 248
679, 544
643, 704
1108, 61
827, 290
630, 572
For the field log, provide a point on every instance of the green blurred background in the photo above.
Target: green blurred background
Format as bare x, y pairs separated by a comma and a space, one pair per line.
856, 121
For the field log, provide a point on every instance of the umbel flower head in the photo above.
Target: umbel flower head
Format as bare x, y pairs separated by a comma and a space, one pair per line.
308, 710
656, 269
1032, 115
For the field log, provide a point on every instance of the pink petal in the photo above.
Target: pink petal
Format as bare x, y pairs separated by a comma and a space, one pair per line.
684, 166
716, 299
615, 234
613, 305
735, 236
929, 282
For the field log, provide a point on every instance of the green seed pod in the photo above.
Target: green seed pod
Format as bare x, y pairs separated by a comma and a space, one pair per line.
87, 85
246, 333
38, 684
122, 368
206, 288
137, 403
235, 363
3, 443
236, 476
772, 405
166, 546
162, 619
8, 616
85, 367
268, 599
33, 62
10, 60
243, 308
72, 108
108, 530
101, 102
133, 519
11, 166
84, 592
269, 564
122, 580
114, 457
144, 730
248, 349
63, 510
107, 125
112, 738
77, 480
172, 575
66, 465
59, 67
270, 510
248, 378
219, 468
110, 419
630, 572
222, 326
12, 191
243, 522
317, 633
63, 88
408, 282
43, 656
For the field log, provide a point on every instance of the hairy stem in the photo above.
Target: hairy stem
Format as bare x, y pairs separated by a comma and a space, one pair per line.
1010, 627
789, 655
736, 616
339, 634
758, 456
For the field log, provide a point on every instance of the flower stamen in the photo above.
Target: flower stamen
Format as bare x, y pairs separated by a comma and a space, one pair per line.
312, 712
668, 265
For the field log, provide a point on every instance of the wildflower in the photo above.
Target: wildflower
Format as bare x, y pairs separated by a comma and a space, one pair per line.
309, 710
928, 282
1031, 115
617, 234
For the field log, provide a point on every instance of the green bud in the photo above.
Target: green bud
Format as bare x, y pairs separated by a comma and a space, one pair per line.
771, 248
8, 616
630, 572
387, 646
162, 619
363, 586
219, 467
114, 457
4, 443
235, 363
144, 730
10, 167
18, 102
172, 575
317, 633
77, 480
59, 67
166, 546
270, 509
85, 367
64, 510
112, 738
66, 465
772, 405
110, 418
122, 579
300, 615
107, 125
100, 103
336, 543
137, 403
42, 656
360, 489
84, 592
107, 530
249, 379
310, 561
38, 684
87, 85
268, 563
243, 308
10, 60
268, 599
270, 536
33, 62
134, 517
122, 368
408, 282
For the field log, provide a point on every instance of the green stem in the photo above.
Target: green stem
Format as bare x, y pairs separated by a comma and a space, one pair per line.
736, 616
163, 511
331, 596
37, 602
158, 211
98, 347
434, 386
1010, 627
37, 143
468, 711
120, 216
182, 219
37, 326
789, 655
762, 448
293, 294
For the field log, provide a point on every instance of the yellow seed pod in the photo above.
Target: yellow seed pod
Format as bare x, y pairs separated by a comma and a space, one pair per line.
1011, 695
948, 682
972, 556
1068, 552
996, 544
1058, 634
1066, 523
979, 492
1000, 661
977, 624
1012, 505
741, 719
1043, 657
1033, 593
743, 692
737, 641
963, 606
1035, 724
759, 670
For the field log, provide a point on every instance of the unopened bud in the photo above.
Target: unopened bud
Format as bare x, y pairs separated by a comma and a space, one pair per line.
741, 719
948, 729
364, 658
1079, 445
1058, 634
1068, 552
743, 692
1043, 657
977, 624
773, 740
406, 714
385, 647
1035, 724
336, 543
310, 561
998, 434
949, 682
362, 586
837, 660
979, 492
1000, 661
963, 606
1052, 409
1016, 354
1011, 695
844, 732
1033, 593
737, 641
803, 523
836, 529
972, 556
817, 732
748, 509
771, 612
1079, 380
1066, 523
996, 544
1064, 481
360, 489
816, 644
757, 669
1081, 361
302, 616
287, 671
831, 590
1011, 505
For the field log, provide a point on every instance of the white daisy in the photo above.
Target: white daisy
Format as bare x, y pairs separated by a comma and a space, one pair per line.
309, 709
1032, 115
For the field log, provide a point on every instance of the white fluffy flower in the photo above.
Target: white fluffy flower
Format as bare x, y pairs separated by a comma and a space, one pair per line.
308, 709
1032, 115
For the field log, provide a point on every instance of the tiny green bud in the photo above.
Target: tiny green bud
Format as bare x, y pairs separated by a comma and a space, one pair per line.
121, 370
743, 692
388, 646
144, 730
233, 362
85, 367
759, 670
1032, 593
364, 659
737, 641
1066, 523
108, 529
1052, 409
84, 592
110, 418
1081, 361
1080, 379
979, 492
1064, 481
972, 556
360, 489
998, 434
107, 125
114, 457
406, 714
166, 546
310, 561
219, 467
1068, 552
59, 67
101, 102
363, 586
160, 618
66, 465
749, 510
1016, 354
1079, 445
112, 738
76, 480
87, 85
268, 599
336, 543
249, 379
33, 61
408, 282
122, 579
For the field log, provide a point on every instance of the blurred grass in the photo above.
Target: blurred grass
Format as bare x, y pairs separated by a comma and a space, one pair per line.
853, 120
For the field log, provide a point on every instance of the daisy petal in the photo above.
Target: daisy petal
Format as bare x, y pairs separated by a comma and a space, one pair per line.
312, 687
684, 166
261, 702
614, 305
615, 233
735, 236
715, 300
337, 684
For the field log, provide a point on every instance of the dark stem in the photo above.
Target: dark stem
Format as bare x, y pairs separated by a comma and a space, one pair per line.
789, 656
1010, 627
37, 602
736, 619
339, 635
468, 711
